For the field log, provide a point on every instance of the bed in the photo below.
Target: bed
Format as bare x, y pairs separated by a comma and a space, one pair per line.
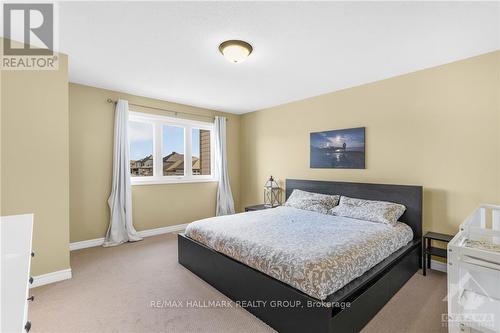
248, 261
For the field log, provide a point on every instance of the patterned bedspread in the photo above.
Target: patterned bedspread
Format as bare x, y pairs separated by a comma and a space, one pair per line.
315, 253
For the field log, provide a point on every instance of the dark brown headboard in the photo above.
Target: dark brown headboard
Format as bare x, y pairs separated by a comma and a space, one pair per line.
408, 195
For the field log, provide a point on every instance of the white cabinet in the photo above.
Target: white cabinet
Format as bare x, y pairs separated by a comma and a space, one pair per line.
15, 246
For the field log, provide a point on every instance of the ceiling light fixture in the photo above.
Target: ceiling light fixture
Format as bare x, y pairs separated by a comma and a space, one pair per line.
235, 51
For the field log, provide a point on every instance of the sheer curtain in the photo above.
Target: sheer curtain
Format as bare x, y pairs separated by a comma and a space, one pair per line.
225, 203
120, 228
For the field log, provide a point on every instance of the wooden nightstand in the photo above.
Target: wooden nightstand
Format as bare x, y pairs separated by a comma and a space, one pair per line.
257, 207
428, 250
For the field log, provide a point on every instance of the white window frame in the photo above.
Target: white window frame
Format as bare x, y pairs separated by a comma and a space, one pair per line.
158, 122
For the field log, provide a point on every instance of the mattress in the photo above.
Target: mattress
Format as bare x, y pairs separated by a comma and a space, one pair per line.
315, 253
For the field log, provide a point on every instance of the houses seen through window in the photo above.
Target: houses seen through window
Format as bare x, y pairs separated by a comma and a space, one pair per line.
200, 141
141, 148
166, 150
173, 150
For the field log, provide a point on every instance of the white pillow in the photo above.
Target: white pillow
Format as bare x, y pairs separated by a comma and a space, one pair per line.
369, 210
316, 202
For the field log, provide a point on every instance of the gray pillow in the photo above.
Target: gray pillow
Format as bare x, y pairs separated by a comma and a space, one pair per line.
369, 210
316, 202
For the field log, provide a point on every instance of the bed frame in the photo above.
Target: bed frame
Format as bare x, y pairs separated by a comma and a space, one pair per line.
287, 309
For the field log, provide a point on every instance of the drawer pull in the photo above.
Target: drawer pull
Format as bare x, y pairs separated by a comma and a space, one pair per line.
31, 280
27, 327
31, 298
32, 254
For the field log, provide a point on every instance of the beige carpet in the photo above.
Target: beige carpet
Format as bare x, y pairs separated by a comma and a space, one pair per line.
112, 290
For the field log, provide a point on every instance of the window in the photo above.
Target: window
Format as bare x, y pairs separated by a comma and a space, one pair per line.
172, 150
169, 150
201, 151
141, 148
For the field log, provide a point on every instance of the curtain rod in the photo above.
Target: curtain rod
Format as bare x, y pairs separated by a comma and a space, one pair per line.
109, 100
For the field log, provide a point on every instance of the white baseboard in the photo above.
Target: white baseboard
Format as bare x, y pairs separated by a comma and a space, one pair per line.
144, 233
439, 266
163, 230
85, 244
51, 277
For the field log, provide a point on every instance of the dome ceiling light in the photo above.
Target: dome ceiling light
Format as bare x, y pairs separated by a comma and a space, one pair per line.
235, 51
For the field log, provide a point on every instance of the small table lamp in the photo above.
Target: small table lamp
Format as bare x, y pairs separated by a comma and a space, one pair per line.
272, 193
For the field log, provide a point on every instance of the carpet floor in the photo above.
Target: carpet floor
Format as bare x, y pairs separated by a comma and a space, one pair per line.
140, 287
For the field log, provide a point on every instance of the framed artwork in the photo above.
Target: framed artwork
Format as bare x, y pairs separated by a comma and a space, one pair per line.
338, 149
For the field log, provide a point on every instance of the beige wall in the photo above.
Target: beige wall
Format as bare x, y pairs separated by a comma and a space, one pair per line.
498, 105
154, 206
35, 159
438, 128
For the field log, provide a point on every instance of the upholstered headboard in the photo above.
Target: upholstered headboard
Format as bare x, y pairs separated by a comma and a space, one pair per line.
408, 195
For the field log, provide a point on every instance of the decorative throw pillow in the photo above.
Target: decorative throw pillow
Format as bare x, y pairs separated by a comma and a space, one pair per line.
316, 202
369, 210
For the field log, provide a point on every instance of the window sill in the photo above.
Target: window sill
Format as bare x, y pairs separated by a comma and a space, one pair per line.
157, 181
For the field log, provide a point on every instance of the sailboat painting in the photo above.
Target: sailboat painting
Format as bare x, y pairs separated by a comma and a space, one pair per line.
344, 149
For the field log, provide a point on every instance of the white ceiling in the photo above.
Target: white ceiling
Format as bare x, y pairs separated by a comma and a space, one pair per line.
168, 50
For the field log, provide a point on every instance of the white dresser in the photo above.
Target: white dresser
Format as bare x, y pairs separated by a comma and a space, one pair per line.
15, 236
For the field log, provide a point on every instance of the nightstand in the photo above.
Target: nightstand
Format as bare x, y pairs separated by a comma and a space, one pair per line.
257, 207
428, 250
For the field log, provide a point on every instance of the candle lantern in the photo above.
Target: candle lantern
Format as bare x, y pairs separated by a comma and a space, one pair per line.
272, 193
